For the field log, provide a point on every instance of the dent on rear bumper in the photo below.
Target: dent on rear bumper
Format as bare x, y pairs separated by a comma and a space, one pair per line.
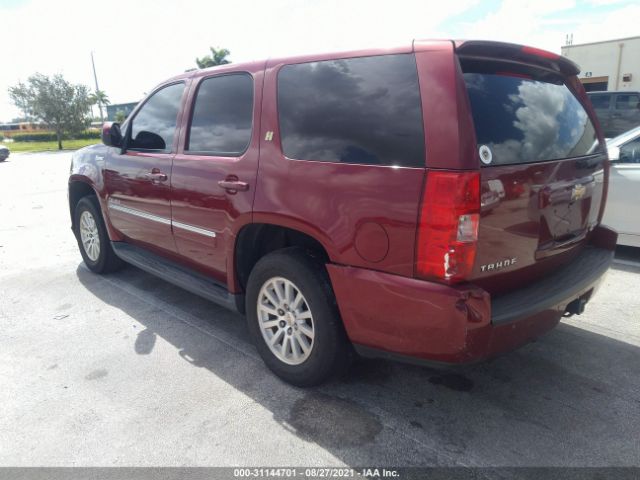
406, 317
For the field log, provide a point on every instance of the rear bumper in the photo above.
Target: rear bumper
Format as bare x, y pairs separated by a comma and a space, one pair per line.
405, 318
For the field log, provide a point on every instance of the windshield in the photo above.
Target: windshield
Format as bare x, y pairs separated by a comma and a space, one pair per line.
521, 120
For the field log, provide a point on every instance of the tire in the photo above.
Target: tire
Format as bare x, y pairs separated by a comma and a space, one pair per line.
316, 311
100, 260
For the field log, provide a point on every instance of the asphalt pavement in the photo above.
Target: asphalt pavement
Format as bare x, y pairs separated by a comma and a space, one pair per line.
126, 369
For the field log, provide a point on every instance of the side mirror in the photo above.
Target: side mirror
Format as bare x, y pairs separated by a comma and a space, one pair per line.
149, 141
614, 153
111, 135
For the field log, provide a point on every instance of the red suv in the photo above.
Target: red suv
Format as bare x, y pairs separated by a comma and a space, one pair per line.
435, 202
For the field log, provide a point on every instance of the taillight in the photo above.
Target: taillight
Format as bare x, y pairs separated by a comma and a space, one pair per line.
448, 227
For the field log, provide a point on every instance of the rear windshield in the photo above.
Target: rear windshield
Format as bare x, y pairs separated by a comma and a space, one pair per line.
521, 120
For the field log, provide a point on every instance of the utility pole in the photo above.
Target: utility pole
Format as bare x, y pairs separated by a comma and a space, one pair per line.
95, 77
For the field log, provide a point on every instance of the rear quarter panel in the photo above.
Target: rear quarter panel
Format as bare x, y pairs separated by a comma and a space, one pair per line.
363, 215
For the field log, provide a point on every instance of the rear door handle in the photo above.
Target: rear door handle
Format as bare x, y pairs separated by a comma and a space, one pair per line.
233, 186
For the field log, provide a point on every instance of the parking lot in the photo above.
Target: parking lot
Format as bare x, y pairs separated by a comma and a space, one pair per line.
129, 370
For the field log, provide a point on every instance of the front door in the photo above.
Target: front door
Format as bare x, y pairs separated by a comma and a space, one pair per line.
214, 173
138, 180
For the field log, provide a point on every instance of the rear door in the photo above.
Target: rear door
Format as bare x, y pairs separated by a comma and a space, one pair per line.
137, 180
542, 168
213, 178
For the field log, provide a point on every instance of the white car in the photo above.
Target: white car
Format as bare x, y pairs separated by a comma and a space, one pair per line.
623, 201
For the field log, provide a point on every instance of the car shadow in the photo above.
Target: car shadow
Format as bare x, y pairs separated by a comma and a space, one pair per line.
571, 399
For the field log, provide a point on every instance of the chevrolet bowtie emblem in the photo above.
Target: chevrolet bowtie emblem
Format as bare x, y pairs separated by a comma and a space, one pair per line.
578, 192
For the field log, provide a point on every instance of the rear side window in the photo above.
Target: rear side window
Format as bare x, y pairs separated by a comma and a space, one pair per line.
521, 120
627, 102
600, 102
222, 116
360, 110
154, 126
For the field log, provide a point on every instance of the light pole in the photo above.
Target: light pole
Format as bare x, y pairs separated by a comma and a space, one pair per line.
95, 77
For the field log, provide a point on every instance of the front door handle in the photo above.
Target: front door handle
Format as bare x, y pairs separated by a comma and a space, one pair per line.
156, 176
233, 186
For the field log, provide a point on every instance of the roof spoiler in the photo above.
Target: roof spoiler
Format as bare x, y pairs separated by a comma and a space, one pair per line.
511, 52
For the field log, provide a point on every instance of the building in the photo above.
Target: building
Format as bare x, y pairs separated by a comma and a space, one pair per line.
607, 66
7, 130
125, 108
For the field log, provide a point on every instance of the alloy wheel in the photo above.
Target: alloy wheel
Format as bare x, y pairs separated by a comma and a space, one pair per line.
285, 320
89, 236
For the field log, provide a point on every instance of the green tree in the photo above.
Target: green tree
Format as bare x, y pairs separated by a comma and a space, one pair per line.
61, 105
218, 57
100, 98
120, 116
20, 96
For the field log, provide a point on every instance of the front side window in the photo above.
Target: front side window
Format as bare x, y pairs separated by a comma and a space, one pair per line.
222, 116
627, 102
523, 120
154, 126
359, 110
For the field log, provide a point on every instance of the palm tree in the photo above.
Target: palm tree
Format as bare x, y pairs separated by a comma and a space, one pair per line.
218, 57
101, 98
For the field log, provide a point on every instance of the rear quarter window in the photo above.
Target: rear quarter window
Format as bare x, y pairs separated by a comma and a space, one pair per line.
362, 110
522, 120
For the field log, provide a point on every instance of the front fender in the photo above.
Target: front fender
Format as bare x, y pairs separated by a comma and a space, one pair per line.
87, 167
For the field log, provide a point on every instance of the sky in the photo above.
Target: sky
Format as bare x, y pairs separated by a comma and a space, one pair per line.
139, 43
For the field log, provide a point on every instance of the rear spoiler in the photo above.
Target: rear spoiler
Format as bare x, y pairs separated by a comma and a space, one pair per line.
513, 53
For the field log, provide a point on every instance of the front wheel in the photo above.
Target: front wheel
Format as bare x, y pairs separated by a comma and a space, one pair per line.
93, 240
293, 318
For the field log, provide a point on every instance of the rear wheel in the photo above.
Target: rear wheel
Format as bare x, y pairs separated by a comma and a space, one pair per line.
293, 318
92, 237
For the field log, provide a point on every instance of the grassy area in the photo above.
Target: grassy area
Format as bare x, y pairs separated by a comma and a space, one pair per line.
44, 146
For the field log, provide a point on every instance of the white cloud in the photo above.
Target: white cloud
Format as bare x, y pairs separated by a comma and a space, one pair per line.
620, 23
140, 43
528, 23
545, 23
607, 2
